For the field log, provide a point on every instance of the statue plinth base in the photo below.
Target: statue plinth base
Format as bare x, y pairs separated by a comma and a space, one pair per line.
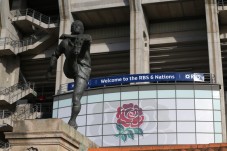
46, 135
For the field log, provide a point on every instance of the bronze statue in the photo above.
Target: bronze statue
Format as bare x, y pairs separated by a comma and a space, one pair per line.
77, 66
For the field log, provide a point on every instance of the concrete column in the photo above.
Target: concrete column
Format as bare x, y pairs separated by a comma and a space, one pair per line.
6, 27
9, 71
139, 39
214, 49
65, 24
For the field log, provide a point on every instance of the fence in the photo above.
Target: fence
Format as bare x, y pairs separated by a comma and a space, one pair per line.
37, 15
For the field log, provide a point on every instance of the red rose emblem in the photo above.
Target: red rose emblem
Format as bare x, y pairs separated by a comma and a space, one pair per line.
130, 115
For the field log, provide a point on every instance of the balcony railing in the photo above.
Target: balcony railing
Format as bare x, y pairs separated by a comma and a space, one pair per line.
222, 2
21, 45
5, 146
21, 86
36, 15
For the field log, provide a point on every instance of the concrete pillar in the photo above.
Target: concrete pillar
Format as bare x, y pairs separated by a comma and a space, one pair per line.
65, 24
139, 39
214, 49
9, 71
6, 27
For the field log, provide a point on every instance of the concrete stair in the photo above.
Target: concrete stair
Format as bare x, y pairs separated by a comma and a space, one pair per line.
22, 18
16, 92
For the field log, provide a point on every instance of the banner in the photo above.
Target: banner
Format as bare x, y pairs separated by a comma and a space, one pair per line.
134, 78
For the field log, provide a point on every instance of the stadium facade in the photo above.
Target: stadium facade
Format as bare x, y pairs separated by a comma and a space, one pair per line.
161, 63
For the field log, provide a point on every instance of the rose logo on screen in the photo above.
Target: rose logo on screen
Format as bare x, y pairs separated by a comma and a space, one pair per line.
129, 118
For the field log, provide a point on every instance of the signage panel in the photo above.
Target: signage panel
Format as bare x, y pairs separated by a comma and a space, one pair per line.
134, 78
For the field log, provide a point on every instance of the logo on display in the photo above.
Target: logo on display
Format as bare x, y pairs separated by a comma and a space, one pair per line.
195, 77
129, 119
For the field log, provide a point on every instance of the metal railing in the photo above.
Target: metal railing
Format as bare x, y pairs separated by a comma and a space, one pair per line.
36, 15
5, 146
5, 114
21, 45
21, 86
221, 2
27, 112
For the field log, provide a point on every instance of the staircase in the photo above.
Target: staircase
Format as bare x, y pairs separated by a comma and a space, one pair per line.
22, 17
24, 112
35, 42
16, 92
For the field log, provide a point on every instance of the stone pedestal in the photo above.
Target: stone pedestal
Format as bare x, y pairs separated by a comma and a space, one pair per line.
46, 135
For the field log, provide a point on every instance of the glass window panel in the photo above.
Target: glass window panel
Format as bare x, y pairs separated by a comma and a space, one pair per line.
204, 115
111, 106
149, 127
110, 129
218, 138
185, 115
64, 112
185, 138
167, 115
203, 104
185, 126
203, 91
204, 127
218, 127
64, 103
112, 94
66, 120
166, 104
63, 97
185, 104
166, 91
135, 102
217, 105
81, 120
94, 108
129, 141
148, 139
83, 109
217, 115
164, 127
96, 140
111, 141
204, 138
95, 96
150, 115
164, 139
83, 100
55, 113
185, 91
55, 104
148, 104
216, 91
94, 119
81, 130
94, 130
110, 118
129, 93
146, 92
